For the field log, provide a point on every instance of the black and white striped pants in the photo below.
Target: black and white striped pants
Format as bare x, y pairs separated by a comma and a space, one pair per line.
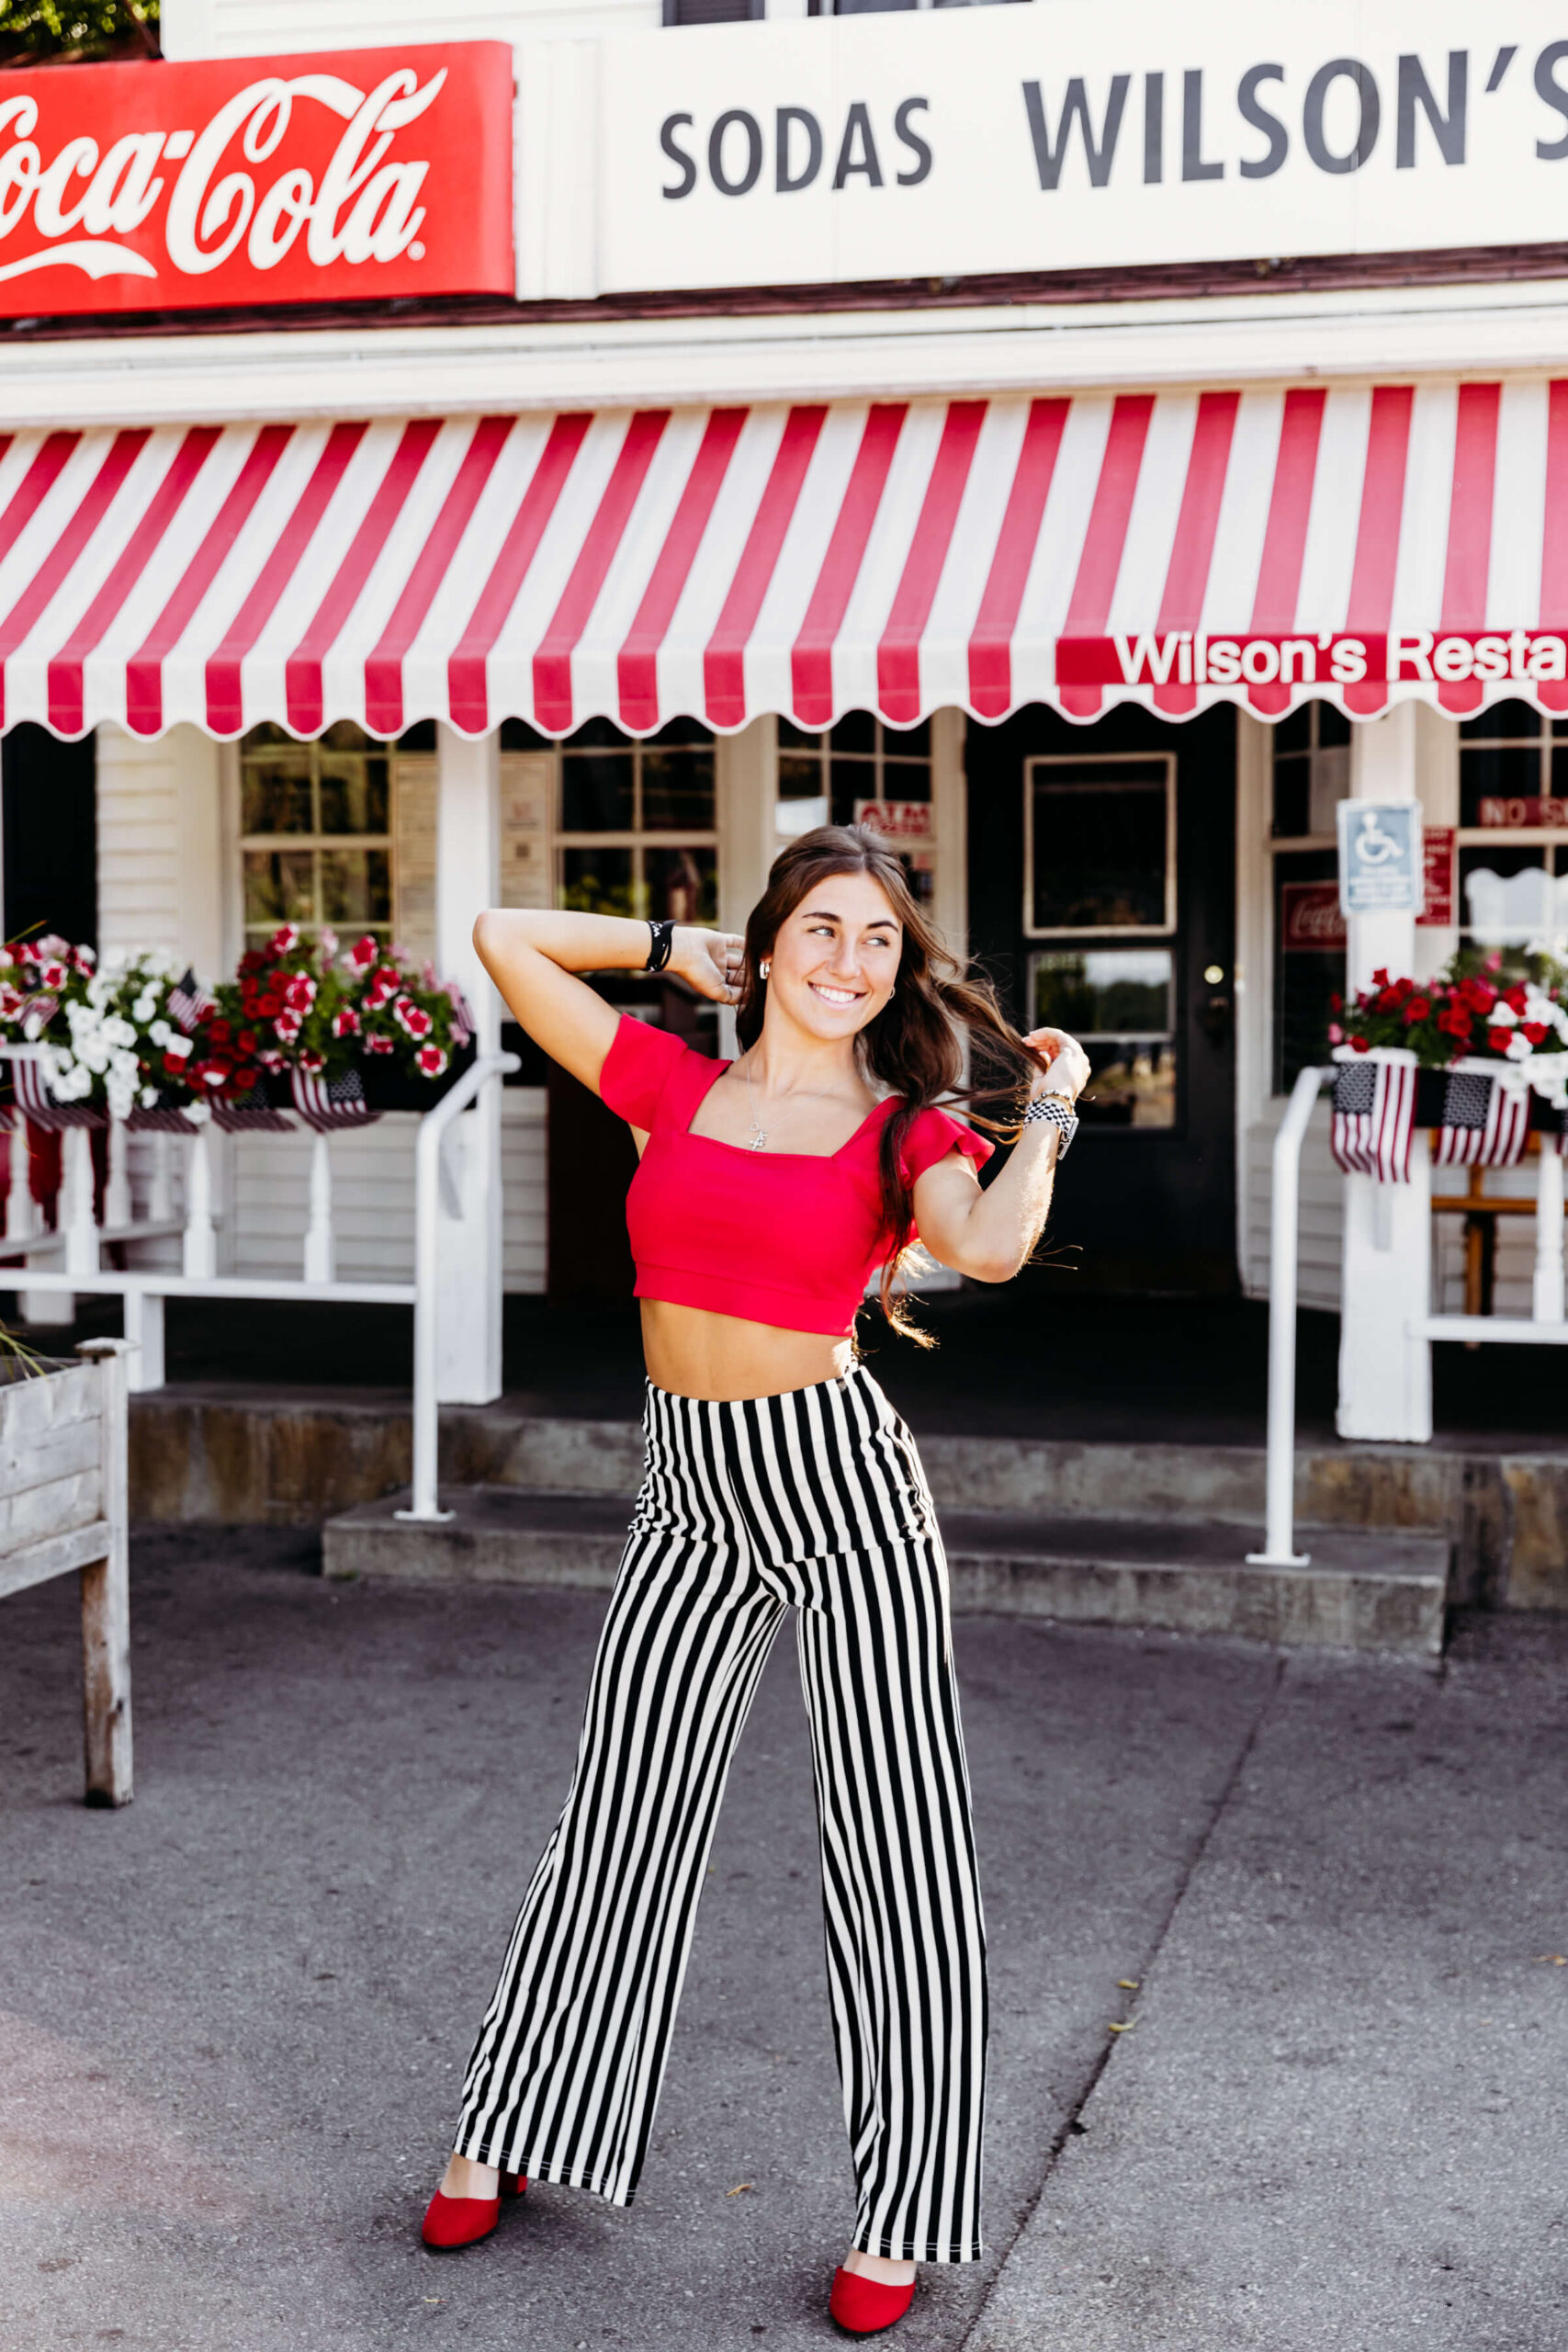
815, 1499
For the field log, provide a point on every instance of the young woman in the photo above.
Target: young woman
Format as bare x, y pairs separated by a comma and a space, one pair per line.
769, 1190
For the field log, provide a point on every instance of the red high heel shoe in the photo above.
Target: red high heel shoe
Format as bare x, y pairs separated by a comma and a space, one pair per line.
865, 2306
454, 2221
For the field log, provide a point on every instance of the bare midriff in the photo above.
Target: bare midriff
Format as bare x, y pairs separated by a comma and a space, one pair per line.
721, 1358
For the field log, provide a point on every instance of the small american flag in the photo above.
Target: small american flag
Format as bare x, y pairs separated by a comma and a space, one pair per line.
155, 1119
328, 1104
189, 1002
1484, 1123
38, 1106
38, 1012
1374, 1106
251, 1119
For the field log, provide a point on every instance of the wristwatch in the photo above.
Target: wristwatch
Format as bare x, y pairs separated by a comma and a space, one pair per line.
1058, 1109
662, 939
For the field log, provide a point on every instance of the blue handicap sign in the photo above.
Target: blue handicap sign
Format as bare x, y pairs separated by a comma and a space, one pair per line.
1380, 858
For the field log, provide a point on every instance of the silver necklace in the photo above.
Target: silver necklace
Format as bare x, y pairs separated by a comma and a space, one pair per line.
758, 1139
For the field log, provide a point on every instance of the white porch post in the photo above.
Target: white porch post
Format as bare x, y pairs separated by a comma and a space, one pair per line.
468, 878
1385, 1376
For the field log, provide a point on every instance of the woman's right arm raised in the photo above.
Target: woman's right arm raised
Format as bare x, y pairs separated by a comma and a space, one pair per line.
534, 956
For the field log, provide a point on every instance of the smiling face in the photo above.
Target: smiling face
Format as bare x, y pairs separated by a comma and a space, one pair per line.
835, 959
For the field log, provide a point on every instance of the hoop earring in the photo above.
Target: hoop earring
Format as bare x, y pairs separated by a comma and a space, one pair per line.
764, 968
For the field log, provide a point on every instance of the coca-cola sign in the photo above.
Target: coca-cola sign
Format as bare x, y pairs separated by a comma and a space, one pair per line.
368, 174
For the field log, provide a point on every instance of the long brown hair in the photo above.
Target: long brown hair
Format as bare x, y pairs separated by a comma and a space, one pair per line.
915, 1045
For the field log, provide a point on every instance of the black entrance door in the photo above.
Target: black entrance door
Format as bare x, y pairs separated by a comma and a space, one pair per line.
1101, 899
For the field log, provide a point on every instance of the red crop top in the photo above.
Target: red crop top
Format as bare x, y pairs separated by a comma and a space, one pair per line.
786, 1237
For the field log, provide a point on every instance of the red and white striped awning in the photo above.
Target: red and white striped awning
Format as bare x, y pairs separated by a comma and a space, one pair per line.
1172, 548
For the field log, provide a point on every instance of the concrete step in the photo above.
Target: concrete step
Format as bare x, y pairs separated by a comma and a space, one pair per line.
1359, 1591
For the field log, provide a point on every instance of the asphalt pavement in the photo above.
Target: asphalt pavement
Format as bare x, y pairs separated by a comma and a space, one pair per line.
1325, 1900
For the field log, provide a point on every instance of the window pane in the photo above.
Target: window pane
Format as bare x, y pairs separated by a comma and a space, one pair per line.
1510, 899
906, 780
516, 735
357, 885
791, 735
1497, 777
677, 791
852, 780
1333, 727
1098, 849
856, 731
597, 882
596, 792
1131, 1086
683, 885
907, 742
354, 795
279, 887
1100, 993
800, 778
1121, 1004
1508, 718
793, 818
1292, 781
1294, 733
275, 794
1309, 960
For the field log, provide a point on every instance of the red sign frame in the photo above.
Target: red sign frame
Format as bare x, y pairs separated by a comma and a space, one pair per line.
357, 175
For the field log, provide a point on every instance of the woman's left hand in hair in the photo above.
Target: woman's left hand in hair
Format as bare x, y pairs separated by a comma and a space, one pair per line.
1069, 1070
708, 961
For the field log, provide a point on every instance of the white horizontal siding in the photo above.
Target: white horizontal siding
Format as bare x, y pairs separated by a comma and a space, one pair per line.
1322, 1211
139, 845
267, 1198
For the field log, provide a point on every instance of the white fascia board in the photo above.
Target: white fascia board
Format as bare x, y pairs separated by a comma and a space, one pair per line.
446, 370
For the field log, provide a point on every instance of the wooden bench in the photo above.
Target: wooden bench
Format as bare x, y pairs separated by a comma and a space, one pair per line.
63, 1506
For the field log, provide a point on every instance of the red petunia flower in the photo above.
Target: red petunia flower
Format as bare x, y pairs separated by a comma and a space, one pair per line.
1498, 1039
432, 1060
1534, 1032
362, 953
345, 1022
1417, 1008
412, 1018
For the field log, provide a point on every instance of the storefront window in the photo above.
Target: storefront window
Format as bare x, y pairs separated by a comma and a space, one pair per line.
1100, 864
863, 771
637, 832
316, 832
1513, 841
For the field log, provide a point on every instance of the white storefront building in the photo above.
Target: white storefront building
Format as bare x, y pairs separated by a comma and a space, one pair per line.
1094, 440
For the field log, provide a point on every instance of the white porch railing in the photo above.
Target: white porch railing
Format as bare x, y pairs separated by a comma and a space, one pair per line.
78, 1241
1546, 1327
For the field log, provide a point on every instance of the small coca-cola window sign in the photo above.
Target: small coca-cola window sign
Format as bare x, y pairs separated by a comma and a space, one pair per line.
365, 175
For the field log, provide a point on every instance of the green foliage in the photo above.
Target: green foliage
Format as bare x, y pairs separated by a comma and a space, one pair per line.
77, 28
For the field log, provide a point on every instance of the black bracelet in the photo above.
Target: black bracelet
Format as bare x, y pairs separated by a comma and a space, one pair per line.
659, 949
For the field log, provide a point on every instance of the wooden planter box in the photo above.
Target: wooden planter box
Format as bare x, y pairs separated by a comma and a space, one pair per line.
63, 1506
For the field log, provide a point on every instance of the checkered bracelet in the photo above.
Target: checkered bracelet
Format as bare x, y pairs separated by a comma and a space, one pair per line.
1061, 1114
